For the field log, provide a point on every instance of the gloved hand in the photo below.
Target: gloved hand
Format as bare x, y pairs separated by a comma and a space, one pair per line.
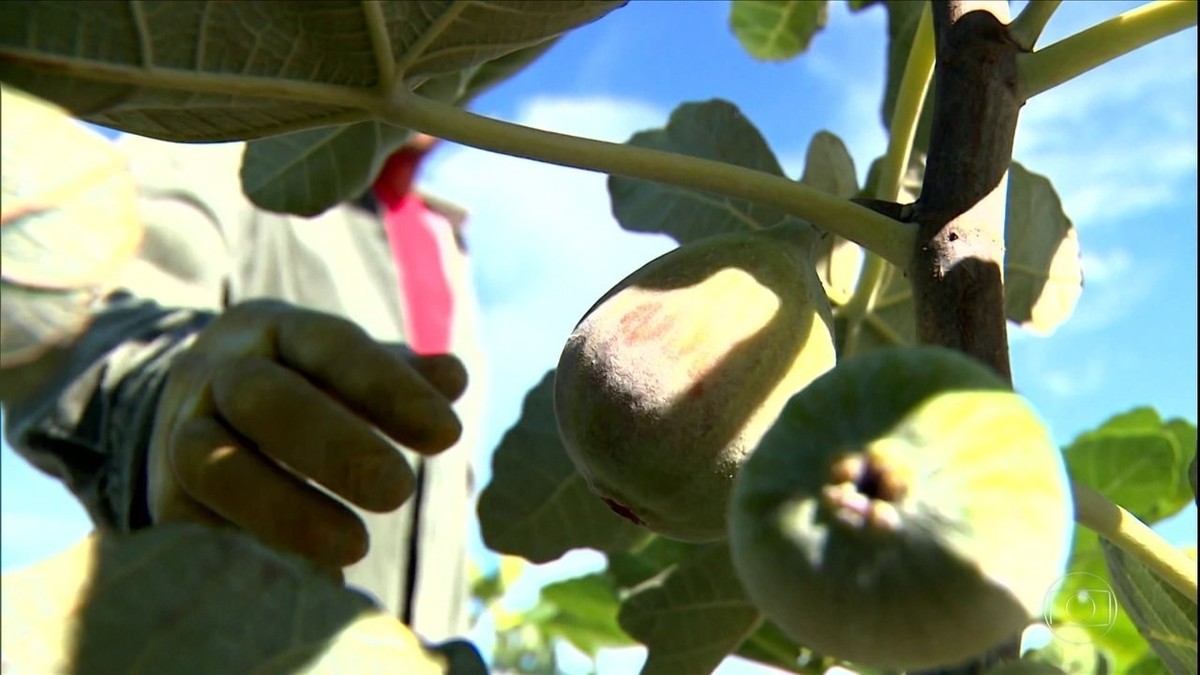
270, 395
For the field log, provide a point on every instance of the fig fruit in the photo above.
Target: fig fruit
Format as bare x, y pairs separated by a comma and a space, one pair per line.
671, 378
907, 510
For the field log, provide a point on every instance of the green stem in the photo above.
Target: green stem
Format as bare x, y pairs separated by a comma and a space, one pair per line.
1027, 28
1096, 512
1095, 46
910, 98
891, 240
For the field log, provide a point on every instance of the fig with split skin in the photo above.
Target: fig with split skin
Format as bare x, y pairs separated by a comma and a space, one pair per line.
671, 378
907, 511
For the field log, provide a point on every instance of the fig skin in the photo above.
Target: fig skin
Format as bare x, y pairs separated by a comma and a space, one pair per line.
671, 378
907, 511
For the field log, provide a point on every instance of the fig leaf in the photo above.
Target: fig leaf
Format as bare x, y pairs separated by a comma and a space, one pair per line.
1138, 461
1163, 615
691, 616
1043, 274
714, 130
216, 600
536, 505
777, 31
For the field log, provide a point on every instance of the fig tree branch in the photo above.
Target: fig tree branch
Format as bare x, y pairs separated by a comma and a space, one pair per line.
1027, 27
889, 238
956, 270
1096, 512
1073, 56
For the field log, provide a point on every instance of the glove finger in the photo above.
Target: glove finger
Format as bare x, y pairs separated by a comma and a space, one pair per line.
366, 376
288, 419
444, 371
263, 498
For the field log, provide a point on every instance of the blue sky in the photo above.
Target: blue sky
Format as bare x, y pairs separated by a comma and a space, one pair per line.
1119, 144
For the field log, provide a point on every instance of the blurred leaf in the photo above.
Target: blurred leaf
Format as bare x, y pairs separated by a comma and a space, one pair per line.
714, 130
1043, 277
828, 167
1113, 633
192, 71
777, 30
213, 599
584, 613
1074, 657
1192, 479
1133, 458
1028, 667
1163, 615
69, 223
536, 505
1136, 460
647, 559
306, 172
768, 645
691, 617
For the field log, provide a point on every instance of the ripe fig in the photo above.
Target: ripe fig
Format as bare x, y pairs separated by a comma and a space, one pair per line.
671, 378
907, 510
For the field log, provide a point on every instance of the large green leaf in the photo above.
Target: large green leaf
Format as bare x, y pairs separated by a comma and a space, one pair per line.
714, 130
1138, 461
203, 71
777, 30
1163, 615
1043, 277
215, 600
68, 226
537, 505
692, 616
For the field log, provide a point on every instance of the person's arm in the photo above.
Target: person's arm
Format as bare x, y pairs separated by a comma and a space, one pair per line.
84, 413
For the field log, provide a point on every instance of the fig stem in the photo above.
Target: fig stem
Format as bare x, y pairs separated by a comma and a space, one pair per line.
1099, 514
891, 239
1027, 27
906, 117
1075, 55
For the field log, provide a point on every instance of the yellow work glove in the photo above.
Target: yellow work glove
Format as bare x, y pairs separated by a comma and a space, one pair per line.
270, 395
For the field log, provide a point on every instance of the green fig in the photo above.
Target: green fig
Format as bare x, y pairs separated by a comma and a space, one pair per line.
671, 378
907, 511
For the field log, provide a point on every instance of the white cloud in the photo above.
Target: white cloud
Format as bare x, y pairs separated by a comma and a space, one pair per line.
1119, 140
1103, 268
1074, 382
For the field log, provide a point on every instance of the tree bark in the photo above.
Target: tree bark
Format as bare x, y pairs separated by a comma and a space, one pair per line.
957, 268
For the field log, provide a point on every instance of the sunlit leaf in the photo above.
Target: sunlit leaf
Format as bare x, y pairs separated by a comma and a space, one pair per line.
777, 30
1136, 460
1043, 277
215, 600
537, 505
69, 223
828, 167
692, 616
714, 130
